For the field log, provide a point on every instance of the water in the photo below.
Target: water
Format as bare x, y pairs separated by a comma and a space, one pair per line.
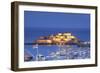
52, 52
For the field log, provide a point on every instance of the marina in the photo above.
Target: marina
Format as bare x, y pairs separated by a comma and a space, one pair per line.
59, 47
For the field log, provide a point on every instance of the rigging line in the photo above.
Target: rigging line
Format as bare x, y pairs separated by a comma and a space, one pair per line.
29, 53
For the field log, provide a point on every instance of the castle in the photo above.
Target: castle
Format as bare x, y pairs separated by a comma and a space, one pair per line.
59, 38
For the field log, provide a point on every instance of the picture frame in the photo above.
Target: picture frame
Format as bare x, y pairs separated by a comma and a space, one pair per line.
52, 36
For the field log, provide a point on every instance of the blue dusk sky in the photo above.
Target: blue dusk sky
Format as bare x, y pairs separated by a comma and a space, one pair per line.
36, 19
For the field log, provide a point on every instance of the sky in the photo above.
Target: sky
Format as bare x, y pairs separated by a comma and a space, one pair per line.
36, 19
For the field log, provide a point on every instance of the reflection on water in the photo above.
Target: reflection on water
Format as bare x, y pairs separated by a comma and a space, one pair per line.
54, 52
